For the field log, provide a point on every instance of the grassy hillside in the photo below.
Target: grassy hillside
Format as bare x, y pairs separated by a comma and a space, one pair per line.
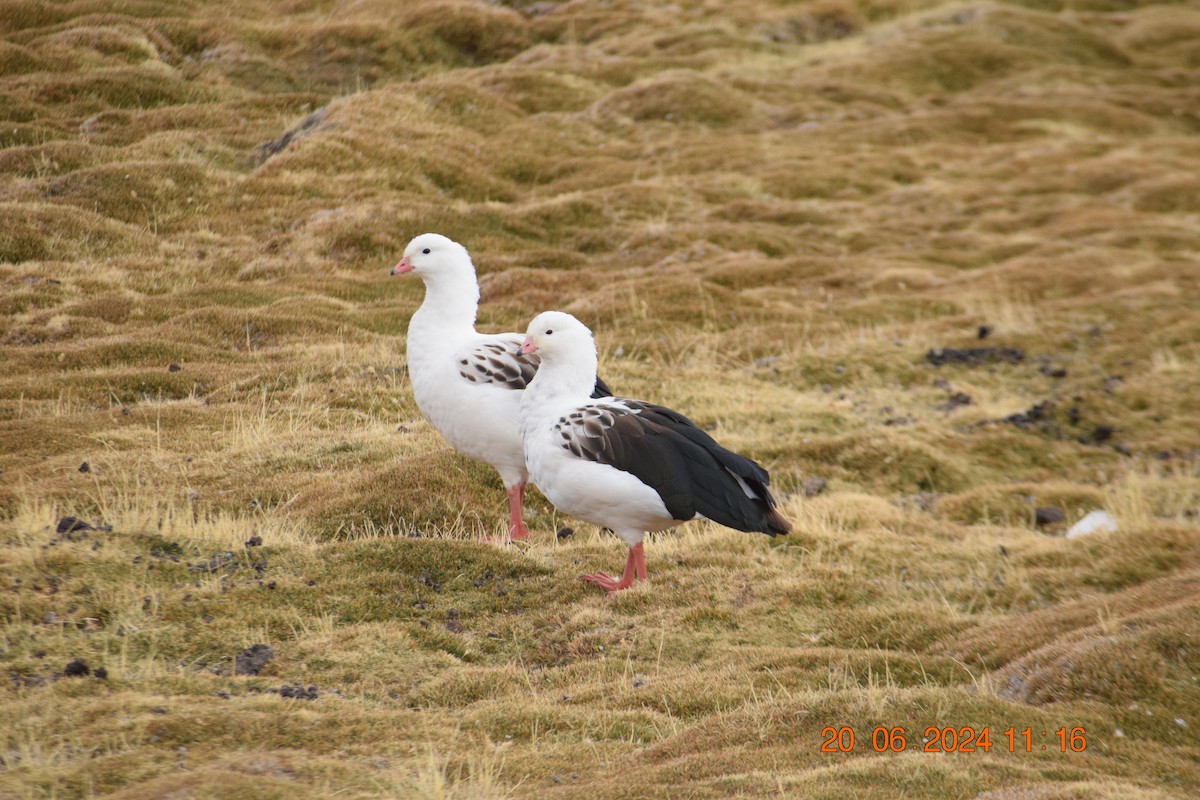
790, 222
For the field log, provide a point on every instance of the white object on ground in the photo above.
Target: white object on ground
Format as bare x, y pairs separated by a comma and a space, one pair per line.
1094, 522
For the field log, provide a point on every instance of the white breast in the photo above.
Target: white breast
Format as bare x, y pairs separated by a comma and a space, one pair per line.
596, 493
480, 421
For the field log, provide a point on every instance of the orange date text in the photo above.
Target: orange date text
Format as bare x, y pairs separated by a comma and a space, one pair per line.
951, 739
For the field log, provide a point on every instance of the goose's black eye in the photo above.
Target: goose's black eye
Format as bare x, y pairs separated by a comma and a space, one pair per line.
425, 251
549, 332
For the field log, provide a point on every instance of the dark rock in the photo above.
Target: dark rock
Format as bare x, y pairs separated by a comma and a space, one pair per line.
173, 368
1073, 415
454, 626
957, 400
1031, 416
1053, 371
254, 541
983, 331
251, 660
564, 534
813, 486
974, 356
298, 692
70, 524
425, 579
309, 125
85, 467
101, 673
1048, 515
272, 585
1103, 433
77, 669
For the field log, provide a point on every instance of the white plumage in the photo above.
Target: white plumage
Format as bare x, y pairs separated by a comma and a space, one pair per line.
467, 384
627, 465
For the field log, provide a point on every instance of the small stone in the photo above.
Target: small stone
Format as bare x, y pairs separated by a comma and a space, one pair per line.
71, 524
1181, 722
983, 331
813, 486
77, 669
254, 541
1099, 521
564, 534
85, 467
454, 626
639, 683
101, 673
974, 356
1103, 433
1048, 515
251, 660
173, 368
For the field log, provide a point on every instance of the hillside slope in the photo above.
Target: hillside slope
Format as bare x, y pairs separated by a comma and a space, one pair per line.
933, 264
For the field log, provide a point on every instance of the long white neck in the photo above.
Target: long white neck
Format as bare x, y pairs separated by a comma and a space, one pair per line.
450, 307
560, 382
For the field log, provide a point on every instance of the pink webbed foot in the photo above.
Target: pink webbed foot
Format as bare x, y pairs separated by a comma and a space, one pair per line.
635, 569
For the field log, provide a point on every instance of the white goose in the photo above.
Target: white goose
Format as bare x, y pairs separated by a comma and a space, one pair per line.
468, 384
627, 465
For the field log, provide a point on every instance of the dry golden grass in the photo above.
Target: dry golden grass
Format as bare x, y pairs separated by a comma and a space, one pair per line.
769, 218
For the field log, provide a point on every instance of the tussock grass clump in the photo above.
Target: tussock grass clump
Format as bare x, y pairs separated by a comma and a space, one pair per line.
681, 96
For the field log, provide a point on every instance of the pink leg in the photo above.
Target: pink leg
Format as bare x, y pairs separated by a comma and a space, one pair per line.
639, 564
635, 567
516, 524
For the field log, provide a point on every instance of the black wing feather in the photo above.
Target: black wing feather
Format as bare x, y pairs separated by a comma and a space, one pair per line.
503, 364
683, 464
